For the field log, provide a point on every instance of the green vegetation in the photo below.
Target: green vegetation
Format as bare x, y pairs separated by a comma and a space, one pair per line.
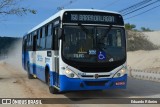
146, 29
129, 26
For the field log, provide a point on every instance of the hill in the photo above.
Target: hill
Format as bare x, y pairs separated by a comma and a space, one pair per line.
154, 37
139, 41
6, 42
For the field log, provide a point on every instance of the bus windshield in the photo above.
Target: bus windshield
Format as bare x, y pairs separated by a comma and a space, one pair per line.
93, 44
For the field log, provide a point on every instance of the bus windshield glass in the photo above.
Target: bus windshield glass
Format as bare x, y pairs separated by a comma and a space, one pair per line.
93, 44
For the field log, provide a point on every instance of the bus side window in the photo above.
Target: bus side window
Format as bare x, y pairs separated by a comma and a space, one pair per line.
28, 41
49, 38
38, 39
40, 32
46, 30
42, 44
55, 43
119, 43
43, 32
24, 45
50, 29
53, 37
34, 41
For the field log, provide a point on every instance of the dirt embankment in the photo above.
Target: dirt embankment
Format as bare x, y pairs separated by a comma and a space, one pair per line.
146, 59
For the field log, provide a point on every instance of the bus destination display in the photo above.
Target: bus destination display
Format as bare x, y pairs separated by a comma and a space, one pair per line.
92, 18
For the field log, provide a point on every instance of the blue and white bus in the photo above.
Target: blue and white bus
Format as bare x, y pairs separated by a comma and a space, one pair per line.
77, 49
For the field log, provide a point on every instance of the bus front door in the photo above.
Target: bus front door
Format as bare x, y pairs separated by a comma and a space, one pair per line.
56, 58
34, 54
56, 70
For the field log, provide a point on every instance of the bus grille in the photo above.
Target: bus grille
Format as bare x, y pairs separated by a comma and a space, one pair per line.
87, 76
96, 69
95, 83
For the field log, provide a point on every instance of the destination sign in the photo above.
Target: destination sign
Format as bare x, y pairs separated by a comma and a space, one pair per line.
96, 18
90, 17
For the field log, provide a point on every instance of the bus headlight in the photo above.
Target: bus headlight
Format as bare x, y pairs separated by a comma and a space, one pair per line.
120, 73
69, 73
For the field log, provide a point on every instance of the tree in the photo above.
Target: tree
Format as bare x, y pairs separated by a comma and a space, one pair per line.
145, 29
129, 26
11, 7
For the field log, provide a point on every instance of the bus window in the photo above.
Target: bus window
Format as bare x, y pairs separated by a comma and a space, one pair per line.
40, 32
119, 43
42, 43
49, 29
46, 30
43, 32
49, 37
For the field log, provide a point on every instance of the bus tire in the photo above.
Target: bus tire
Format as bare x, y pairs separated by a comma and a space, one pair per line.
30, 76
53, 90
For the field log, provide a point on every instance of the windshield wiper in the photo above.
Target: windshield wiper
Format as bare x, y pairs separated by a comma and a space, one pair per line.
107, 32
85, 30
103, 48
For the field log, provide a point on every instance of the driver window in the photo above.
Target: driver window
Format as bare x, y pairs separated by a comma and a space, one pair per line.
119, 43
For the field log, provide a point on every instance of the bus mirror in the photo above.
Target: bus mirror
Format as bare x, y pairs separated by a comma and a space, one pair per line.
59, 33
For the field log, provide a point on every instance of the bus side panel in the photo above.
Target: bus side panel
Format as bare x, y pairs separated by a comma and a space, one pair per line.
41, 61
40, 72
25, 59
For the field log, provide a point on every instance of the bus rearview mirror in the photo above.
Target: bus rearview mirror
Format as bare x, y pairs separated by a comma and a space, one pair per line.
60, 33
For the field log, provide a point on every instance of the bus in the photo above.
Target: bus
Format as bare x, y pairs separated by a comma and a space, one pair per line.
77, 49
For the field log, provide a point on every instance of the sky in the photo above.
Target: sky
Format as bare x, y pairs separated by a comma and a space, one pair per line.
17, 26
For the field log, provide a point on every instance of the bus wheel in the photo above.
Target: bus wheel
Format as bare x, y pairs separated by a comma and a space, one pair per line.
30, 76
52, 89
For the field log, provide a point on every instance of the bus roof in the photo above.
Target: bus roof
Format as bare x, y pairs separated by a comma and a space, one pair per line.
60, 13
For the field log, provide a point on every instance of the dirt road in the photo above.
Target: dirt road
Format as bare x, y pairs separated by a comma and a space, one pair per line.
14, 83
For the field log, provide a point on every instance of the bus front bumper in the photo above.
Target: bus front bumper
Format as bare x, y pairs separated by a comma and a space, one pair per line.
73, 84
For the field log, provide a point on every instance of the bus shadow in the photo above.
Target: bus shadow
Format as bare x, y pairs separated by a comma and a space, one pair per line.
95, 95
135, 89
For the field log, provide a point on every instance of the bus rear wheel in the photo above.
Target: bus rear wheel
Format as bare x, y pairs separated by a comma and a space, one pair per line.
30, 76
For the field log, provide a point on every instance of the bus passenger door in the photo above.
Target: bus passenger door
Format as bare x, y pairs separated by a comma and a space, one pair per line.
34, 53
56, 57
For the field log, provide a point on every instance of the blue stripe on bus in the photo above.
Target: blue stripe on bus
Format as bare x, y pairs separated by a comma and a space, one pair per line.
39, 71
25, 57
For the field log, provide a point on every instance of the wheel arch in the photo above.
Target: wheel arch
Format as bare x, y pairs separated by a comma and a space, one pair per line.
47, 70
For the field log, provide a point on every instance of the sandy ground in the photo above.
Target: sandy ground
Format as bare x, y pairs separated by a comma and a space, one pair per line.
154, 37
144, 60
